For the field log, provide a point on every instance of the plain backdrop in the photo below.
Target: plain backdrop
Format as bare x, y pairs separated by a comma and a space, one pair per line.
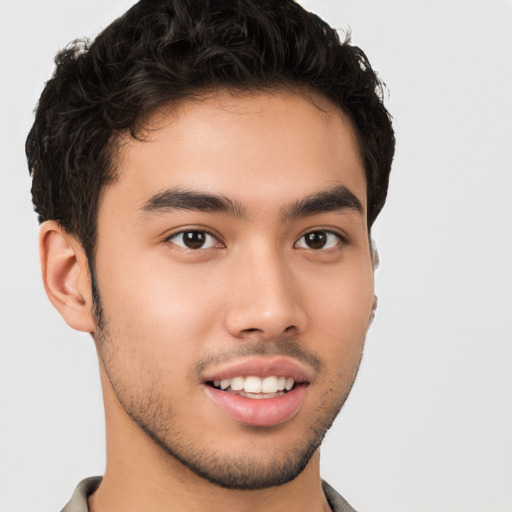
428, 427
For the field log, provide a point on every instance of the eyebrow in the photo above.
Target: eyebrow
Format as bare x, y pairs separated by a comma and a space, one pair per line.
182, 199
335, 199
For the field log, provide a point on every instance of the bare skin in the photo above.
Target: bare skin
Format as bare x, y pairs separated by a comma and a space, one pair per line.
192, 292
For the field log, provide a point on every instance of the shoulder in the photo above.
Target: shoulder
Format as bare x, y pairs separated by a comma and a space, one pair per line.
336, 501
78, 502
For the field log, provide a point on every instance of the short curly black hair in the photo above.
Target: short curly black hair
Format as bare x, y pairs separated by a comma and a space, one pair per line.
165, 51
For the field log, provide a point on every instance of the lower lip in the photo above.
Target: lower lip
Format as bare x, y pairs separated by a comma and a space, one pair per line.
264, 412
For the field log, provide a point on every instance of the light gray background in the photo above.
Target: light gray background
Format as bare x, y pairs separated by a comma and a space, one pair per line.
428, 427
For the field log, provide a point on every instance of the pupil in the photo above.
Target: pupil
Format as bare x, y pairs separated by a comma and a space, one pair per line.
194, 239
316, 240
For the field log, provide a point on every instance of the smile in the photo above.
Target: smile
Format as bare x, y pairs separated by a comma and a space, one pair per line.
256, 387
259, 392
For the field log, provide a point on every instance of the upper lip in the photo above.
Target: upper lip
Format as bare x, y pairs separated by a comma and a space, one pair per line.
261, 367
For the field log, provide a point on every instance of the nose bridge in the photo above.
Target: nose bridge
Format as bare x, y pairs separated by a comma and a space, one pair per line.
264, 296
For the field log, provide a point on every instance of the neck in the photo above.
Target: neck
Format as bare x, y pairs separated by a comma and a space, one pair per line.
140, 476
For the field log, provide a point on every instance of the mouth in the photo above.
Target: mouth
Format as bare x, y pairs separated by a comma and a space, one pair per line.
255, 388
259, 392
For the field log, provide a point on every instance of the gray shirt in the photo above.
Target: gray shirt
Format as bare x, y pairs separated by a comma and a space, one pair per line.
78, 502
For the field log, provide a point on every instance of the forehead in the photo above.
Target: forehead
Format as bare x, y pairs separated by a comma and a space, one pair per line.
257, 148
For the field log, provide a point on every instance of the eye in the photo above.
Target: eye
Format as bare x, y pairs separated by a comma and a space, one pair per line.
318, 240
193, 239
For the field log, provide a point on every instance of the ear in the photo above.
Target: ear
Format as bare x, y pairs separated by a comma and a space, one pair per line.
374, 254
66, 276
374, 308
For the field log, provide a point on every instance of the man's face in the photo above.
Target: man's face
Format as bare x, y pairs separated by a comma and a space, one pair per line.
233, 253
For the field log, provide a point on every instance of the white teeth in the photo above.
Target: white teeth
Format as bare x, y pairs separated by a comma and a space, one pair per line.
255, 385
237, 384
252, 385
269, 385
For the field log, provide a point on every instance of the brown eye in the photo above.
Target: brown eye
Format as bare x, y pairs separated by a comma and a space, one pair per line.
317, 240
193, 239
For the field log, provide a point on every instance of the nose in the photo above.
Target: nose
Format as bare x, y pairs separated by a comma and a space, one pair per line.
265, 299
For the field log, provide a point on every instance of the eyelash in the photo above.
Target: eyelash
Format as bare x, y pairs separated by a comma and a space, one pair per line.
172, 237
340, 239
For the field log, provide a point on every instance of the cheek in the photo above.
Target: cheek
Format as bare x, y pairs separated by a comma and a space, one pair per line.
155, 306
340, 308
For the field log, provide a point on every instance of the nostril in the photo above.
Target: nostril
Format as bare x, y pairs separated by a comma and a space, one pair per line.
251, 330
291, 329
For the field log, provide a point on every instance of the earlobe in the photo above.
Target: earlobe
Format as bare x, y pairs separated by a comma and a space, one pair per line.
374, 308
66, 276
374, 255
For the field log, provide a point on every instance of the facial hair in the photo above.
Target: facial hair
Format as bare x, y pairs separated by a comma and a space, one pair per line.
248, 469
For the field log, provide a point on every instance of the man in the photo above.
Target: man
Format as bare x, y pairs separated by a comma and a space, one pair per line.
206, 175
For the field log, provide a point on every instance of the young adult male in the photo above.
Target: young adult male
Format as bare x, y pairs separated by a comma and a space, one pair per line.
206, 175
